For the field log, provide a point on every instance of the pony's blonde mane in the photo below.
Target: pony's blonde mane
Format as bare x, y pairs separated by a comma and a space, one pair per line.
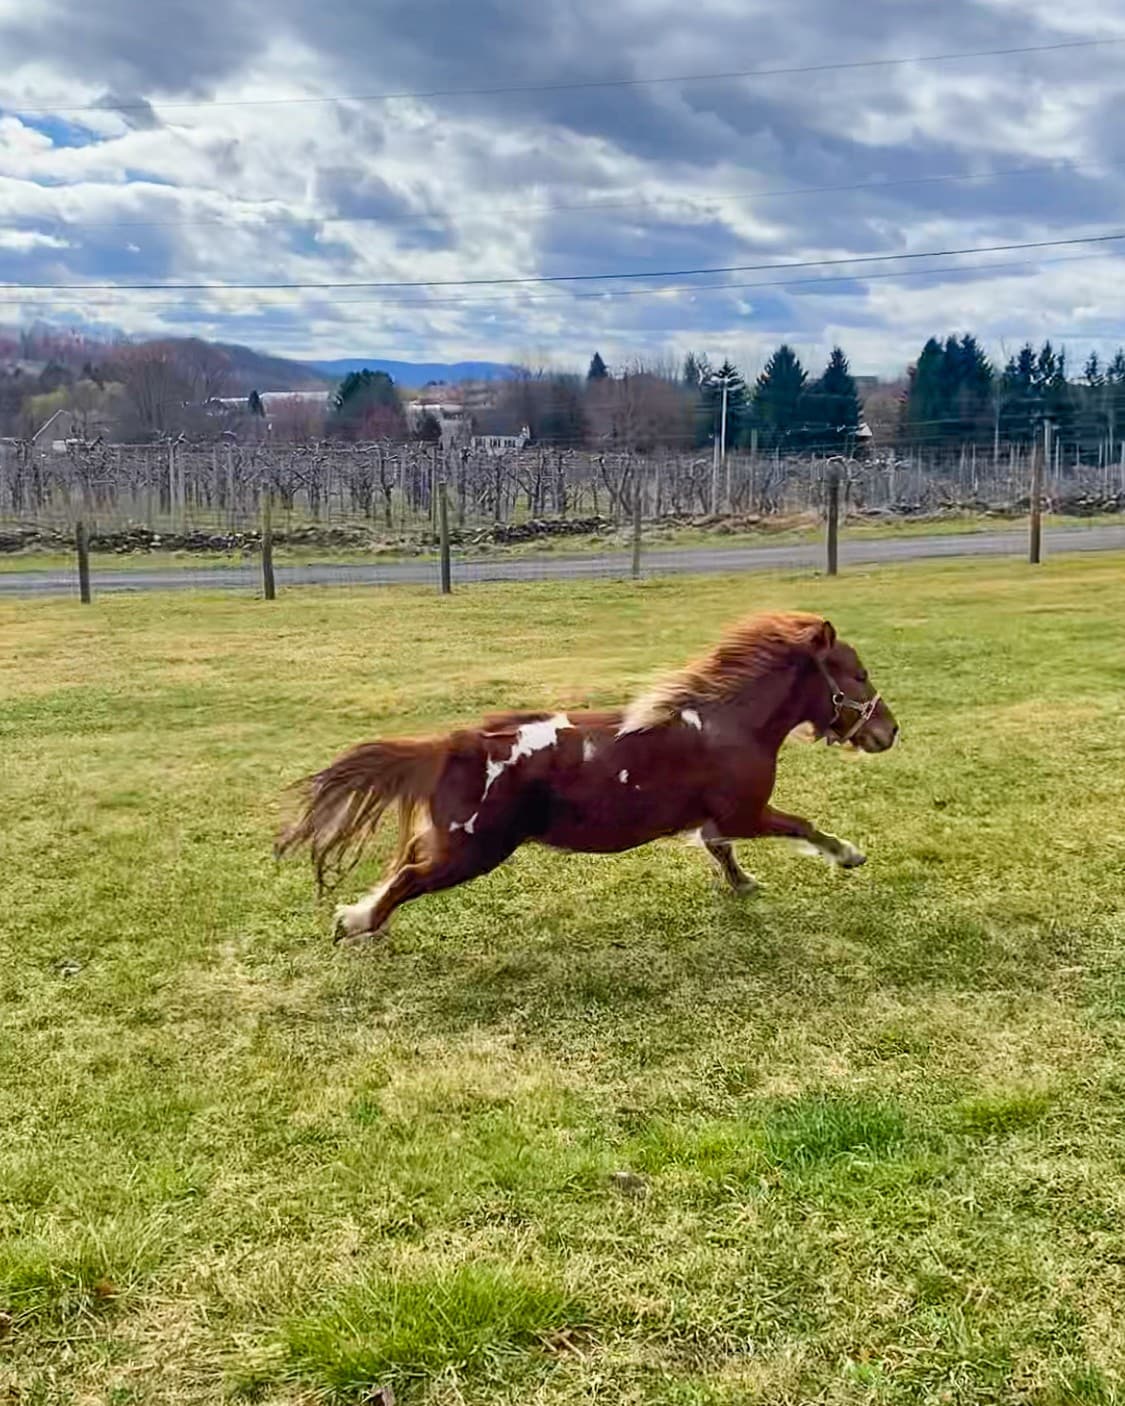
755, 647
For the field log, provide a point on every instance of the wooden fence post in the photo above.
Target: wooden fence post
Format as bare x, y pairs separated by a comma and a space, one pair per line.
638, 508
443, 528
83, 562
833, 518
1038, 453
269, 587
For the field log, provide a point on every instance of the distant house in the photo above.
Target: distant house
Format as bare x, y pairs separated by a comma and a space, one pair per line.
269, 398
501, 443
67, 427
450, 415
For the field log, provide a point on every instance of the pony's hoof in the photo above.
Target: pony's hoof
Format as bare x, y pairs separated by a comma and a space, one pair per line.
343, 937
742, 887
850, 857
352, 923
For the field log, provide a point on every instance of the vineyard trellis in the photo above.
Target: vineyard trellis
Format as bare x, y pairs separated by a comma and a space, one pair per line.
392, 487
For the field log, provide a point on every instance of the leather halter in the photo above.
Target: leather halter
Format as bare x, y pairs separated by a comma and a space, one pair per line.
864, 711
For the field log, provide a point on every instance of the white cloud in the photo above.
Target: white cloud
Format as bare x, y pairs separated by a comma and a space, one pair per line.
22, 240
441, 189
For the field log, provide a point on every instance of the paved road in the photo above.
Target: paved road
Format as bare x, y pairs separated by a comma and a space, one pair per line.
537, 568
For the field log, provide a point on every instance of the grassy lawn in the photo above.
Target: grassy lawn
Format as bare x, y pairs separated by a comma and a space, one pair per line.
586, 1129
773, 532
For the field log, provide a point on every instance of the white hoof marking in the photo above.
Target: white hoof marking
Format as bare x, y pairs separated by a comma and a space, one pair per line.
833, 851
354, 919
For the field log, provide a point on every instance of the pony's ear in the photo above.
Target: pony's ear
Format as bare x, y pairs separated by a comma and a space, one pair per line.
824, 638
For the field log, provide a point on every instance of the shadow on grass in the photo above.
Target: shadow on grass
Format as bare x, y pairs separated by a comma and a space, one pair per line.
668, 949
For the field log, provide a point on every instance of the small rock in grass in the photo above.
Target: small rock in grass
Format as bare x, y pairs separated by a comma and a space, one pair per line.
629, 1184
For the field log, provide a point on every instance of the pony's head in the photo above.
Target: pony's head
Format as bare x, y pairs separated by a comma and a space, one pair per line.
849, 708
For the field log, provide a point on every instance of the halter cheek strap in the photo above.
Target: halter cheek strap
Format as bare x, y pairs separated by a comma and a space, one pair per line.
864, 711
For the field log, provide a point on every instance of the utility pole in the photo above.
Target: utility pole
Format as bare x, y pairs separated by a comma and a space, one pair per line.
719, 455
723, 426
715, 474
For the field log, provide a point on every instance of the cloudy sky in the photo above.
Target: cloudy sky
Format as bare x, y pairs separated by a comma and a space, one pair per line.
374, 143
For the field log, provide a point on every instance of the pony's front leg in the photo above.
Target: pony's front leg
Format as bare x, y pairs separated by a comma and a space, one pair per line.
722, 854
794, 827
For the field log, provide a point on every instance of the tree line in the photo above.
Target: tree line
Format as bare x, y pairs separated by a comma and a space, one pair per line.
955, 396
952, 397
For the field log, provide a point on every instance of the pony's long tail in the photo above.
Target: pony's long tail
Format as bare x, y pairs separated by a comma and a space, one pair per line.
343, 804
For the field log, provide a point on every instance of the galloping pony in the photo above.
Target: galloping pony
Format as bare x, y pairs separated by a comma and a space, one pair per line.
696, 753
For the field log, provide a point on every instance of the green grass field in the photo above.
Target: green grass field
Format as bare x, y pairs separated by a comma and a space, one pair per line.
587, 1129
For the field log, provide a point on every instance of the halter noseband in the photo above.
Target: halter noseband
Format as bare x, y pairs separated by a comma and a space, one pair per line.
840, 700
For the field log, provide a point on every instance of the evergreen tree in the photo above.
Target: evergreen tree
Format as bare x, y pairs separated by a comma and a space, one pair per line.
1115, 400
1058, 398
971, 412
949, 400
366, 406
254, 405
1020, 393
946, 427
779, 394
364, 387
695, 370
923, 406
1091, 406
597, 371
693, 377
832, 407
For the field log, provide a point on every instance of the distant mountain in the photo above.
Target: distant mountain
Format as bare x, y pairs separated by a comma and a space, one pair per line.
418, 373
256, 371
73, 346
249, 370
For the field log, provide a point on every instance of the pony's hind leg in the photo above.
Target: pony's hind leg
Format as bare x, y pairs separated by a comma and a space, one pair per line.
723, 857
438, 863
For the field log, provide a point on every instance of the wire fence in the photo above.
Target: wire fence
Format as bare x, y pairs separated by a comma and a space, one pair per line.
371, 514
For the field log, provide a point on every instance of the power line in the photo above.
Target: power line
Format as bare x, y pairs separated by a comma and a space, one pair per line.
582, 85
539, 279
424, 303
415, 217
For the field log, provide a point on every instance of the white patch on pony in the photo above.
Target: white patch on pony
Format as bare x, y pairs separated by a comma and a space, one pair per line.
692, 718
468, 826
588, 749
530, 738
623, 776
492, 771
